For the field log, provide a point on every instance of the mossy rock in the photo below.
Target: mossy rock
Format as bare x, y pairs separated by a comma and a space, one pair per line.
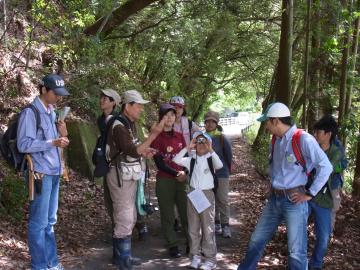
82, 136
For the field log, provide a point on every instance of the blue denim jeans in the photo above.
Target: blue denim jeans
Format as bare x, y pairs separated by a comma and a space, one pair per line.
42, 218
278, 209
322, 224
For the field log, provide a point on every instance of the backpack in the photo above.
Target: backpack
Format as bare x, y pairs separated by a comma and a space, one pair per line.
343, 162
8, 143
99, 154
295, 143
212, 170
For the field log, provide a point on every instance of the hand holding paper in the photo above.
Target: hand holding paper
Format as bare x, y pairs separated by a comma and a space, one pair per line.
63, 113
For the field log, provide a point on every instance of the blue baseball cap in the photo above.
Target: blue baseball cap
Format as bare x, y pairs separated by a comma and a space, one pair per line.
204, 134
56, 83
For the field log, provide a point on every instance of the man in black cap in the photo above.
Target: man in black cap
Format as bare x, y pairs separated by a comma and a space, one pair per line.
44, 144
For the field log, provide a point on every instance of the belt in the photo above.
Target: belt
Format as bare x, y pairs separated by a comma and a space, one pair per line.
286, 192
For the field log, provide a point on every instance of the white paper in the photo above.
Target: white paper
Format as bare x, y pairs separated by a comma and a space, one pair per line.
199, 200
63, 113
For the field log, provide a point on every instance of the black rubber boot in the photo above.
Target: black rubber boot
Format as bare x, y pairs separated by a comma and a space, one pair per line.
117, 255
122, 251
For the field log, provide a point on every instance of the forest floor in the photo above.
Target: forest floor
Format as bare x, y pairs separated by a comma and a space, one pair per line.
84, 234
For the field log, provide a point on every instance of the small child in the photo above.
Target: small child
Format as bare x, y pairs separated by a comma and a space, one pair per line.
201, 226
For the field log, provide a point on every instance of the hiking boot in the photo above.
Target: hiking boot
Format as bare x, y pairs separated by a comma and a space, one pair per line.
208, 265
218, 228
226, 233
195, 262
174, 252
58, 267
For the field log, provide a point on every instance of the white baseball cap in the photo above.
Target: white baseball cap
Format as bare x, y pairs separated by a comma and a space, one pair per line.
133, 96
275, 110
113, 94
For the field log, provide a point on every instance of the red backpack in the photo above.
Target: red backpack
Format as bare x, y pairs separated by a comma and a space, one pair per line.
295, 143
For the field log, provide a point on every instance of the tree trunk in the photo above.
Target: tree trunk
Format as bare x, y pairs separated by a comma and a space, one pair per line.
344, 71
306, 64
314, 72
117, 17
283, 78
269, 99
354, 49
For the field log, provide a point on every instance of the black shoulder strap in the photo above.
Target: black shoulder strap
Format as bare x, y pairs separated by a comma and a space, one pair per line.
211, 166
109, 124
36, 113
123, 120
192, 164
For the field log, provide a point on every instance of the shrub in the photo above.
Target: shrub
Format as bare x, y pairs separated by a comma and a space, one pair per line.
13, 196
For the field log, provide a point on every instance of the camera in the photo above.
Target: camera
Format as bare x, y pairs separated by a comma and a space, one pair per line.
148, 208
200, 140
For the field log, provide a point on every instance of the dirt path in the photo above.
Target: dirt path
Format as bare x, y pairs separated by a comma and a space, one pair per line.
84, 234
153, 252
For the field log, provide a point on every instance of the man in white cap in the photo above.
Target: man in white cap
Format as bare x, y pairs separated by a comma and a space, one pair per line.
125, 151
288, 197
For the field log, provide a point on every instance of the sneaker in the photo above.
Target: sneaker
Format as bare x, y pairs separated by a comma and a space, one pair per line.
218, 228
208, 265
58, 267
195, 262
226, 233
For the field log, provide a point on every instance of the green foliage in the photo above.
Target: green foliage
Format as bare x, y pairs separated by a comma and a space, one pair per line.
251, 133
350, 128
199, 48
348, 179
13, 196
260, 155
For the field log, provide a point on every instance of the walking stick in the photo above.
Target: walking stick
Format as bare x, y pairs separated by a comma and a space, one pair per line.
65, 169
30, 165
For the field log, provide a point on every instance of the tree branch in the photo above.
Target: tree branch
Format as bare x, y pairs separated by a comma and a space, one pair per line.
135, 33
117, 17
